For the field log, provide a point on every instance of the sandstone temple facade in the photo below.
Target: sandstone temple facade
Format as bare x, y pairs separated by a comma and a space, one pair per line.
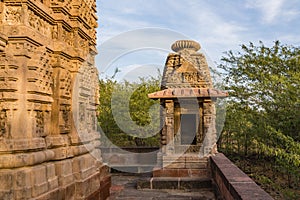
49, 145
188, 114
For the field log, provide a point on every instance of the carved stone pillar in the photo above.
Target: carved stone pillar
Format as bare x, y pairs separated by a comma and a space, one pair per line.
169, 126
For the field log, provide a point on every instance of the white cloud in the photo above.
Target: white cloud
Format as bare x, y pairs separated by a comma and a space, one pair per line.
217, 26
290, 39
215, 33
272, 11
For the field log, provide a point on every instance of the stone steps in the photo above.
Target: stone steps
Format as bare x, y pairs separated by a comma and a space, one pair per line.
174, 183
124, 187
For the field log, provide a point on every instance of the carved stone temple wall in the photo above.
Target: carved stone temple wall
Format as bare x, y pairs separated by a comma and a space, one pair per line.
49, 145
188, 114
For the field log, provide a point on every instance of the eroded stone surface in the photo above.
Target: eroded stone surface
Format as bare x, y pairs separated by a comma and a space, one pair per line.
48, 100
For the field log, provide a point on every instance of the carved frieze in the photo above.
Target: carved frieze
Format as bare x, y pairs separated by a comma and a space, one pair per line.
39, 24
13, 15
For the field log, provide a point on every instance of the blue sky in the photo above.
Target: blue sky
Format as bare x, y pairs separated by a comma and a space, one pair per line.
217, 25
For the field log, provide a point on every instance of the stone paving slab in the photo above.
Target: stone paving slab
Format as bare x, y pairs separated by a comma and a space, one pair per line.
124, 188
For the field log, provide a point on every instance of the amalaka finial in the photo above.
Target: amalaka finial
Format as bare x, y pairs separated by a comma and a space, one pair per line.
185, 44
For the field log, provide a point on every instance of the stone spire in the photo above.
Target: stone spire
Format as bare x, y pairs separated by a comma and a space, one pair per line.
186, 68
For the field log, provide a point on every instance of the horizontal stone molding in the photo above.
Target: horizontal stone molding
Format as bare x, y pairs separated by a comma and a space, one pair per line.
21, 145
9, 161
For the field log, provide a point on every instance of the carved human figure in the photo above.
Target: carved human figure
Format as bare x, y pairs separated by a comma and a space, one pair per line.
3, 122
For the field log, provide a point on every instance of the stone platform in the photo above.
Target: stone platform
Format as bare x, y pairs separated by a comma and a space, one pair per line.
125, 187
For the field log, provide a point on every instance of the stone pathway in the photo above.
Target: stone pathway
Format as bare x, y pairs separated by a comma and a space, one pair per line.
124, 188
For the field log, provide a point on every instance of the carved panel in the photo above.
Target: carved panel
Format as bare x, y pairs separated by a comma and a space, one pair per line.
3, 122
39, 123
68, 37
94, 98
88, 98
39, 24
65, 84
54, 32
13, 15
174, 60
186, 70
40, 74
8, 75
65, 122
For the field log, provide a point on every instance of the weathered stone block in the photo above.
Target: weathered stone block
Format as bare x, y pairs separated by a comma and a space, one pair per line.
194, 183
8, 176
83, 167
62, 153
23, 183
64, 172
165, 183
40, 182
202, 173
144, 183
56, 141
104, 170
105, 184
174, 165
51, 177
70, 191
195, 165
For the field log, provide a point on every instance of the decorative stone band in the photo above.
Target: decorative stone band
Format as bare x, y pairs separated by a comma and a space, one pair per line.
10, 161
185, 44
188, 93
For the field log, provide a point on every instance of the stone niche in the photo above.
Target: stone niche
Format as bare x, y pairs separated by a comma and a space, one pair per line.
187, 97
49, 145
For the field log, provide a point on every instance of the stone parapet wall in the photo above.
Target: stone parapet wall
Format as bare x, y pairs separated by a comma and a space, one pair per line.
232, 183
49, 145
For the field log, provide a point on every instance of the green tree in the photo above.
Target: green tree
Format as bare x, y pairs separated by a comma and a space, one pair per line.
263, 115
126, 114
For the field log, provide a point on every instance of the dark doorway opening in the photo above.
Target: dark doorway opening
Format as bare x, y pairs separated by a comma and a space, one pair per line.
188, 129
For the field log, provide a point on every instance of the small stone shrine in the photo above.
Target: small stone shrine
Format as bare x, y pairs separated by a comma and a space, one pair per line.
49, 145
188, 135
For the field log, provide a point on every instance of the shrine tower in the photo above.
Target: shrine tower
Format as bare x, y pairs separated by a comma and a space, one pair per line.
188, 114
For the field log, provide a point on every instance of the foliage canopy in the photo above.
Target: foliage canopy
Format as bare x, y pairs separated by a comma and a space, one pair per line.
263, 111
